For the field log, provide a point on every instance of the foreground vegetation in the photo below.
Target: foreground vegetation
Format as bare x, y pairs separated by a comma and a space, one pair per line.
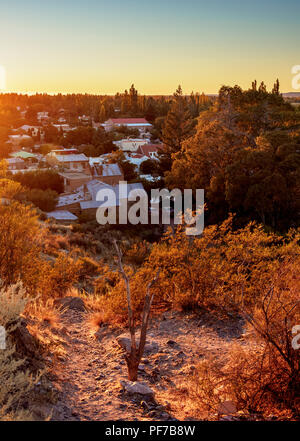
245, 153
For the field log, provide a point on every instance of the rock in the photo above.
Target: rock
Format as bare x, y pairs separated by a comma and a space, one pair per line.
125, 343
165, 415
172, 343
181, 354
135, 387
227, 408
26, 346
75, 303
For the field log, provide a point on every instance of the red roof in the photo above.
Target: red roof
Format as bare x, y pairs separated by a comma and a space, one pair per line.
146, 149
129, 121
136, 155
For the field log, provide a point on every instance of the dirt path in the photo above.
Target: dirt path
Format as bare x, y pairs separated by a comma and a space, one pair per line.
89, 377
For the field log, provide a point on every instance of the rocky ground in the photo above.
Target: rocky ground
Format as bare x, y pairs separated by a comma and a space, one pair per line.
92, 377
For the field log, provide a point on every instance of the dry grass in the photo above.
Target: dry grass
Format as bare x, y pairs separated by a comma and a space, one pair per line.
16, 383
43, 324
261, 375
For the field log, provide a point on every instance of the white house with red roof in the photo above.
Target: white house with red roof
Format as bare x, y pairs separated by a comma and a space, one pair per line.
130, 144
150, 150
132, 123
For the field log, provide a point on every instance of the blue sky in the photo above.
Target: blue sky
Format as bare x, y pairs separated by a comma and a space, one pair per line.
102, 47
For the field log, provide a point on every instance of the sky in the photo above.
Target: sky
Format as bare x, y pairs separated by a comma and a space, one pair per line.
97, 46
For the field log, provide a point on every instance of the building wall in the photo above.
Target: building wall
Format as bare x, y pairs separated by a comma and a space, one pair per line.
73, 208
74, 166
73, 184
131, 146
111, 180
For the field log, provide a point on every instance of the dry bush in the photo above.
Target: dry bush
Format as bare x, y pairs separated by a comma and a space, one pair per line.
261, 377
45, 312
220, 270
137, 253
43, 324
55, 242
21, 242
60, 276
88, 266
16, 383
81, 240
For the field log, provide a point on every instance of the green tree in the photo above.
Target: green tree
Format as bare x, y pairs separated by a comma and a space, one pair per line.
46, 200
178, 126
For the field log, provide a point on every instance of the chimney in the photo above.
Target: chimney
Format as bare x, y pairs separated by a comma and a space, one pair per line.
100, 169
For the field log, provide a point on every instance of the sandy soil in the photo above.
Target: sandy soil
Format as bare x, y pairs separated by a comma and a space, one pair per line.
88, 379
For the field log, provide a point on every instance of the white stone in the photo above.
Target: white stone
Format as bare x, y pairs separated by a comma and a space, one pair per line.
135, 387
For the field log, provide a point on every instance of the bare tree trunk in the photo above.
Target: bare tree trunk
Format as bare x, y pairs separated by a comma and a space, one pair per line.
134, 357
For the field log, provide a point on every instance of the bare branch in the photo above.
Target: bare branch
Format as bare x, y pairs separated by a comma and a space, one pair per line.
129, 302
146, 314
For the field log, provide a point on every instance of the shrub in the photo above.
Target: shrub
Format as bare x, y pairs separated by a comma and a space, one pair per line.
41, 179
60, 276
15, 382
219, 270
262, 377
21, 241
88, 266
46, 200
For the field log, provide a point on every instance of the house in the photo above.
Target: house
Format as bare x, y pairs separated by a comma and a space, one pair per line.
17, 140
136, 159
85, 120
43, 116
61, 120
110, 174
131, 123
74, 180
62, 216
90, 207
30, 130
63, 127
70, 202
130, 145
69, 160
26, 156
15, 164
150, 150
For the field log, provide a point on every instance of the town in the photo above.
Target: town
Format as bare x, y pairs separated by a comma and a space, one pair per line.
30, 151
81, 153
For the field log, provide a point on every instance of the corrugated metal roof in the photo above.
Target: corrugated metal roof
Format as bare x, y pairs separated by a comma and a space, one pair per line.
62, 215
95, 186
80, 157
96, 204
70, 198
107, 170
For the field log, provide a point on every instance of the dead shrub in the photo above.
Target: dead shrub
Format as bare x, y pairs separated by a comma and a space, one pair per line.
261, 377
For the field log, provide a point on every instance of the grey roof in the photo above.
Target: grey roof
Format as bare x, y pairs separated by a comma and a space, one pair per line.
72, 158
95, 186
72, 198
96, 204
108, 170
62, 215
